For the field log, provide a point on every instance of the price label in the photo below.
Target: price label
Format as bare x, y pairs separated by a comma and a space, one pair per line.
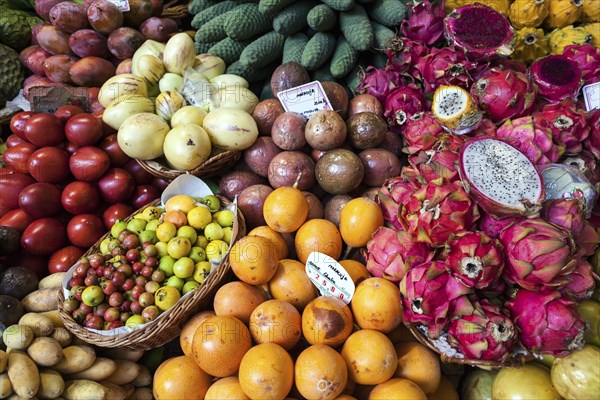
330, 278
306, 99
122, 4
591, 95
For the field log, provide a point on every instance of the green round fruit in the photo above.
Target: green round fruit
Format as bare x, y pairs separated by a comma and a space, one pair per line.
134, 321
477, 385
213, 231
577, 376
92, 296
187, 232
531, 381
166, 297
166, 265
179, 247
212, 202
225, 218
189, 286
136, 225
201, 271
183, 267
117, 227
148, 236
197, 254
175, 282
199, 217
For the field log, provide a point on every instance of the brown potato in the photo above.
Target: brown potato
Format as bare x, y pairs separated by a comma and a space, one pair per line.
91, 71
325, 130
288, 131
45, 351
89, 43
288, 167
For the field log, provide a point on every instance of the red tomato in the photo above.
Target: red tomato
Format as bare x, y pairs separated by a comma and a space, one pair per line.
111, 147
159, 183
89, 163
116, 186
17, 219
115, 212
83, 129
65, 112
142, 195
63, 259
44, 236
44, 130
40, 200
84, 230
13, 140
80, 197
11, 185
49, 164
17, 123
140, 175
17, 157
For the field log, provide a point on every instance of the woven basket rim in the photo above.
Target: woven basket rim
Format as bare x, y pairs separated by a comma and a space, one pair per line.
172, 320
210, 167
516, 360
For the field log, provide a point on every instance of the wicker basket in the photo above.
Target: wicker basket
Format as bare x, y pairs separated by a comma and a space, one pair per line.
176, 9
214, 165
515, 361
171, 321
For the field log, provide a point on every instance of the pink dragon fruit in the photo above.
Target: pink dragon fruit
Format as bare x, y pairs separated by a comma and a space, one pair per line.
492, 226
592, 143
402, 103
396, 191
566, 213
426, 292
379, 82
486, 128
581, 282
587, 58
548, 323
556, 76
568, 124
504, 94
404, 54
481, 330
586, 163
425, 22
390, 254
500, 178
474, 259
532, 140
536, 252
420, 132
437, 210
445, 66
587, 240
440, 161
494, 291
498, 63
481, 31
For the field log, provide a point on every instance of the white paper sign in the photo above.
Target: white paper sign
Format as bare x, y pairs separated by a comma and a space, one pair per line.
122, 4
330, 278
591, 95
306, 99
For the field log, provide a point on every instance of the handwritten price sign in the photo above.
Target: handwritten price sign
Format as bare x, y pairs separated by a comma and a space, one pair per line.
591, 95
306, 99
330, 278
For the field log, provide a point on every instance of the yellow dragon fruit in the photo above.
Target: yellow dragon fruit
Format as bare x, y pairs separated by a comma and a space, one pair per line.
591, 11
502, 6
450, 5
528, 13
563, 12
531, 45
559, 38
594, 30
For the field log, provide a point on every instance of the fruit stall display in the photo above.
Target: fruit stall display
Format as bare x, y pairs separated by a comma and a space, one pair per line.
430, 233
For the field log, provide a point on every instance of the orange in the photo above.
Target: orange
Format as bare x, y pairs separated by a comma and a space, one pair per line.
253, 259
226, 389
177, 218
238, 299
285, 209
370, 357
376, 305
266, 372
326, 320
419, 364
320, 373
359, 218
219, 344
397, 389
187, 333
276, 237
291, 283
318, 235
180, 378
446, 391
276, 321
357, 270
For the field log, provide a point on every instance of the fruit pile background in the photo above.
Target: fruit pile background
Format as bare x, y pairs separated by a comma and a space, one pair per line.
454, 180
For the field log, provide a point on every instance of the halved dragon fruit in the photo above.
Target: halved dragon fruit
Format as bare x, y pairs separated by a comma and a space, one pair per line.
480, 31
425, 22
402, 103
536, 253
378, 82
420, 132
504, 94
533, 140
455, 109
587, 58
440, 160
481, 330
474, 259
500, 178
426, 292
390, 254
556, 76
548, 323
446, 66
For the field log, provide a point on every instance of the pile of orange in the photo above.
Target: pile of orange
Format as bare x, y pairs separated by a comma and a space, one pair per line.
270, 335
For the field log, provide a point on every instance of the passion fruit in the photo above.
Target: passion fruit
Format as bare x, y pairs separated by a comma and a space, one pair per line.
339, 171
